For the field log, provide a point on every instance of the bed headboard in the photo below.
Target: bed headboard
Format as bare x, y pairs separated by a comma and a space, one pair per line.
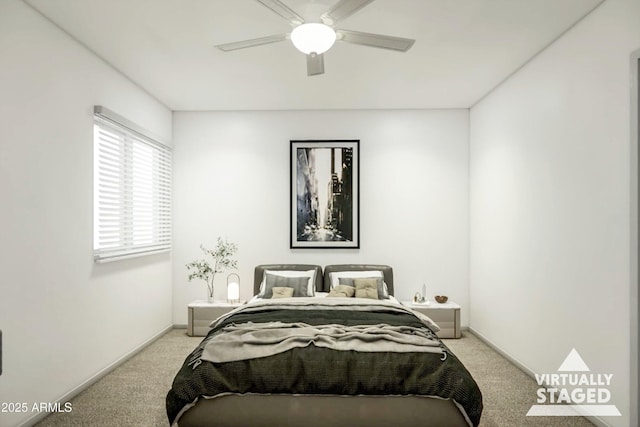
259, 273
387, 272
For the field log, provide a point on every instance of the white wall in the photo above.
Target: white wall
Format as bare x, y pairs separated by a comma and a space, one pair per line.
232, 179
635, 142
63, 317
550, 174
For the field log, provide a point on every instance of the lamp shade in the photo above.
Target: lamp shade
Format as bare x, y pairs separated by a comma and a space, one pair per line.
313, 38
233, 288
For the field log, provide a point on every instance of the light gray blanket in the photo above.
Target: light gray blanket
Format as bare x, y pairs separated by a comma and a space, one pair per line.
254, 340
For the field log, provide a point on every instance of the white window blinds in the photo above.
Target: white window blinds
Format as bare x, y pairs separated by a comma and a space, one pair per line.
132, 190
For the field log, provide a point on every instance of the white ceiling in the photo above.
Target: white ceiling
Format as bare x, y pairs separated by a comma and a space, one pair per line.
463, 49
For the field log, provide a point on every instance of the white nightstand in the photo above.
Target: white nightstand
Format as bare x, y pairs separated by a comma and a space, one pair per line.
446, 315
202, 313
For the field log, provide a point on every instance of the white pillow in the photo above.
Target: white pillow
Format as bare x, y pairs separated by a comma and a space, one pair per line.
311, 274
336, 275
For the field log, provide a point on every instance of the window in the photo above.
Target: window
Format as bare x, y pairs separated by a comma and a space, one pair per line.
131, 190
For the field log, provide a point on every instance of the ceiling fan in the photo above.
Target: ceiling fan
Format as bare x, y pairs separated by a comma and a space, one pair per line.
315, 38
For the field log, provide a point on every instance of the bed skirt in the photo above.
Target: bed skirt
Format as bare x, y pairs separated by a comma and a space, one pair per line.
256, 410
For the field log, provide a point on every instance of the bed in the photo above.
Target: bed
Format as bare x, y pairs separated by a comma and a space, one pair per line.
315, 356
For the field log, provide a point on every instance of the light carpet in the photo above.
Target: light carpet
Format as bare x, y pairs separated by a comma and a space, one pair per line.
134, 393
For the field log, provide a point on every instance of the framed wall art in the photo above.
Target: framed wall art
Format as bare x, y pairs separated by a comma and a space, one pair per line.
325, 183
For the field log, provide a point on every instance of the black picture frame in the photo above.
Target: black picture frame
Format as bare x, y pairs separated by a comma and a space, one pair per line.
325, 194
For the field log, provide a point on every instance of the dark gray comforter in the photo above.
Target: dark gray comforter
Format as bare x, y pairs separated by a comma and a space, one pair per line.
319, 370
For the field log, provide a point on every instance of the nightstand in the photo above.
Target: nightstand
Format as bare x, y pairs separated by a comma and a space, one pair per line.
202, 313
446, 315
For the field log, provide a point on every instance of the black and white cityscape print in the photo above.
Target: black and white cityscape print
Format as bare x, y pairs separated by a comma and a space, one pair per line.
325, 194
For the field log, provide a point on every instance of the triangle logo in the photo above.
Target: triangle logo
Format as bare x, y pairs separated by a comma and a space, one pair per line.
573, 363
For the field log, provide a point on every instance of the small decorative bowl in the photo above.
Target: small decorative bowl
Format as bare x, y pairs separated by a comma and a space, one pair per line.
441, 298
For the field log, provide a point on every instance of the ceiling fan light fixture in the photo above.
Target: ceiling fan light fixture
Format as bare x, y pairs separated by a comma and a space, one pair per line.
313, 38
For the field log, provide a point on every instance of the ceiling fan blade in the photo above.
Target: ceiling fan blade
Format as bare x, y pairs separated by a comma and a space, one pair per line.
283, 10
375, 40
315, 64
344, 9
252, 42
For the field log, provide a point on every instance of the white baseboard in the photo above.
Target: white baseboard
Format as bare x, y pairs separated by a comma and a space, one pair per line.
92, 380
595, 420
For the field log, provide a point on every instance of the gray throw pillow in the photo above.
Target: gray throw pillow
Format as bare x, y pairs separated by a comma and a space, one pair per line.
299, 284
